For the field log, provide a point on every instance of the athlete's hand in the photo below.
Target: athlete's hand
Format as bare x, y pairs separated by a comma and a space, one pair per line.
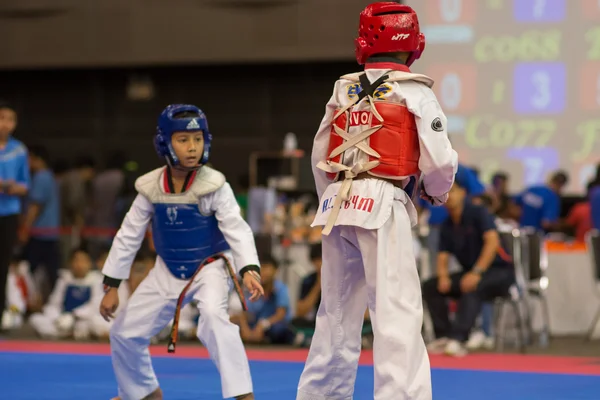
252, 282
434, 201
109, 304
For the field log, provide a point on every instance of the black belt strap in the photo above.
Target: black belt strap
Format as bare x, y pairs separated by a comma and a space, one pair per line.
170, 181
369, 88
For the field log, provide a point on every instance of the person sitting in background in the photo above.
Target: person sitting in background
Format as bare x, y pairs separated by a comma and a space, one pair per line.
540, 205
470, 236
579, 219
595, 206
268, 319
507, 215
483, 338
594, 196
73, 302
310, 291
501, 200
500, 184
439, 214
17, 295
310, 299
138, 272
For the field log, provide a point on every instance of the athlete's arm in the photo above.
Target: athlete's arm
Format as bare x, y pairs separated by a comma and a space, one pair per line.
127, 242
321, 145
438, 161
235, 229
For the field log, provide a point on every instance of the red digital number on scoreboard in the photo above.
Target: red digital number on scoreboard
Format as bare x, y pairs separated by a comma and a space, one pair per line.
589, 86
455, 86
591, 9
450, 12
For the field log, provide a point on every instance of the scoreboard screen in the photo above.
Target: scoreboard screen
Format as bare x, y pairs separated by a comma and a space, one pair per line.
519, 81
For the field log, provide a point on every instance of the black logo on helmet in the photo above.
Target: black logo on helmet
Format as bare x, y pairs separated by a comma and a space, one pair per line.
436, 125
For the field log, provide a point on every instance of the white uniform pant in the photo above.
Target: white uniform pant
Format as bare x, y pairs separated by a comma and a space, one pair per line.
150, 309
375, 268
187, 324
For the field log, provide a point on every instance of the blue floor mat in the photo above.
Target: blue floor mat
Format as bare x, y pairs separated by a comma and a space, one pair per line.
82, 377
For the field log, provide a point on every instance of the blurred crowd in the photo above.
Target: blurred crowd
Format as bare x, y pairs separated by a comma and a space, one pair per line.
57, 222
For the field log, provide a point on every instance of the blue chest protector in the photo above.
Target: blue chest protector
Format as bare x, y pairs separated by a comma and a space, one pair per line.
183, 237
76, 296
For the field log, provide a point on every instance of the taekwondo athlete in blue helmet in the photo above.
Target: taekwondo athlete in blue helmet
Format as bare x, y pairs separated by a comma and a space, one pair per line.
195, 222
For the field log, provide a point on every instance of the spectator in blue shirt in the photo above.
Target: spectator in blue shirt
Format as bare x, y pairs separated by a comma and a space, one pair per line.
595, 205
268, 319
470, 235
594, 196
14, 182
540, 205
42, 218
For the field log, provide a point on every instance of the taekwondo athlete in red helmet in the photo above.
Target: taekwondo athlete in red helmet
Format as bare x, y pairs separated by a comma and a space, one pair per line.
382, 132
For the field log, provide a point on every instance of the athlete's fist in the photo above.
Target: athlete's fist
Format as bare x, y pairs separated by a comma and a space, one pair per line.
109, 304
252, 282
434, 201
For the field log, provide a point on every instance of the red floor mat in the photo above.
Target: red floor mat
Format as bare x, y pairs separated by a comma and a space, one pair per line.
487, 362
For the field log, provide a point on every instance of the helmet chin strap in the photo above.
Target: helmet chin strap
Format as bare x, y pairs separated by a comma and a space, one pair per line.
182, 168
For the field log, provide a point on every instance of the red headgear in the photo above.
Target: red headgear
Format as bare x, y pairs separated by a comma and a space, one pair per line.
387, 27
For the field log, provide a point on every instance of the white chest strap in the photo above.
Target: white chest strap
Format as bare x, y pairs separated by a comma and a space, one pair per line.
358, 141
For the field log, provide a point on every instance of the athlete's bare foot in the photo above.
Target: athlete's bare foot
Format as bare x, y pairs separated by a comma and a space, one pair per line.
156, 395
248, 396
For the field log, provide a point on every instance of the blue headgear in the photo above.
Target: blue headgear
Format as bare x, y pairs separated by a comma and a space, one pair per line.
167, 125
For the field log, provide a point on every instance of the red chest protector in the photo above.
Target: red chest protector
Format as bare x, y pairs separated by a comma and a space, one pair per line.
396, 141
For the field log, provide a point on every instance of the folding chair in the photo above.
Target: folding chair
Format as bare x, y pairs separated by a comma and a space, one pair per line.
535, 265
515, 298
592, 239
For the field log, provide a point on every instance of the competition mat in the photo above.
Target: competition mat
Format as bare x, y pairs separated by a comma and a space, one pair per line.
78, 371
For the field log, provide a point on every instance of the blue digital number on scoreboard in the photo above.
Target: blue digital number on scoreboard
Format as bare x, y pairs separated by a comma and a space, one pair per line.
539, 10
537, 162
539, 88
